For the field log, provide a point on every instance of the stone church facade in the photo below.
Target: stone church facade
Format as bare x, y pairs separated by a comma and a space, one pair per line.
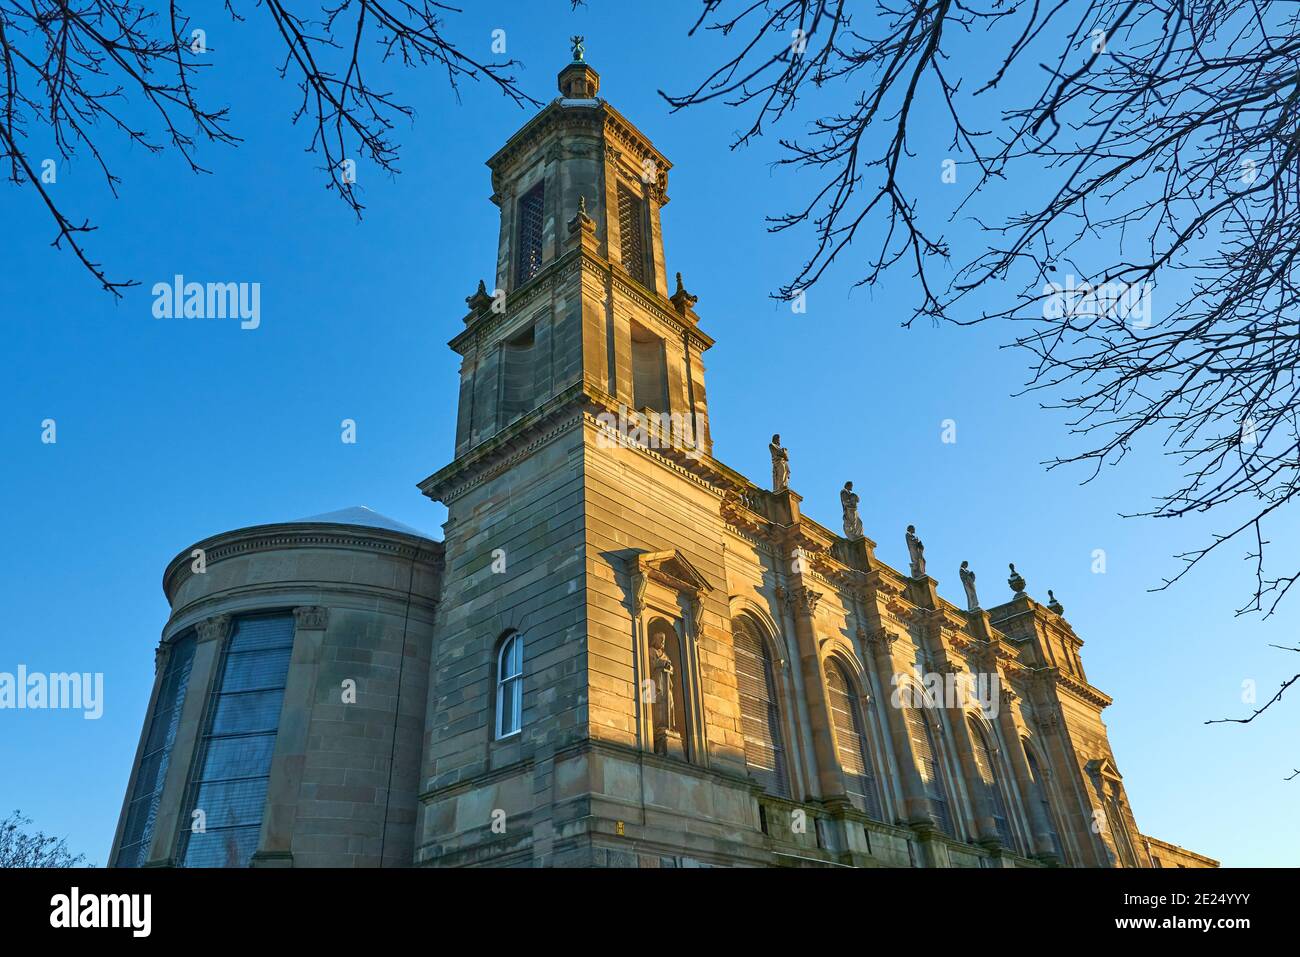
623, 652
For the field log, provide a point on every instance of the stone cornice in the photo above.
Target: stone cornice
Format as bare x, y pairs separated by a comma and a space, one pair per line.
597, 117
262, 538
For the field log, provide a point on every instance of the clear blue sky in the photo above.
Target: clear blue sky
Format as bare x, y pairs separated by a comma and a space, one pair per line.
169, 431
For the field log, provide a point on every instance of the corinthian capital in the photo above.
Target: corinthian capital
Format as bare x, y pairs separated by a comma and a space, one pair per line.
311, 617
215, 628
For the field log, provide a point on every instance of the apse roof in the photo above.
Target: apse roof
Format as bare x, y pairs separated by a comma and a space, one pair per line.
360, 515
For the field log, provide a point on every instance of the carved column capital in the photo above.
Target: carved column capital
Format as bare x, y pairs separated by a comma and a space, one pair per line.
215, 628
313, 617
805, 599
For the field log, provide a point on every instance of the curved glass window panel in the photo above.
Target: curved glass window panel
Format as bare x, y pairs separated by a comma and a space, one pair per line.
247, 711
142, 811
225, 847
255, 670
234, 765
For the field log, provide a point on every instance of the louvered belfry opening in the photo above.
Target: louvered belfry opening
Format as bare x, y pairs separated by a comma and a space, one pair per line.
927, 763
529, 259
631, 235
985, 763
760, 716
851, 741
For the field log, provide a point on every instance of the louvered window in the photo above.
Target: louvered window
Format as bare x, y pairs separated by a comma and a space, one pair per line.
759, 715
529, 234
855, 756
631, 234
234, 758
142, 812
1040, 795
985, 764
927, 763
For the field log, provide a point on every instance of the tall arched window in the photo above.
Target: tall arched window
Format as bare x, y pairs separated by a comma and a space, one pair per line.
510, 685
760, 717
1118, 832
927, 763
1044, 801
851, 740
986, 765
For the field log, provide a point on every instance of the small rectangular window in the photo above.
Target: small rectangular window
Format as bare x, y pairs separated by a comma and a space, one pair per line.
528, 261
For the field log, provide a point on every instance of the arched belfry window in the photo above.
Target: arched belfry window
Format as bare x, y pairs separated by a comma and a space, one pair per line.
1044, 800
528, 235
927, 763
510, 685
851, 740
986, 765
760, 715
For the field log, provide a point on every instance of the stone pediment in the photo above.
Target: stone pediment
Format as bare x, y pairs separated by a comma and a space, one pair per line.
1104, 768
671, 568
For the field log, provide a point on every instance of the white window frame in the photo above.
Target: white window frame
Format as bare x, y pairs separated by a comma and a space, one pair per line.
510, 669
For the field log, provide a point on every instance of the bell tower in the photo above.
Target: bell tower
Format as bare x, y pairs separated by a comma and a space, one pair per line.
580, 302
576, 332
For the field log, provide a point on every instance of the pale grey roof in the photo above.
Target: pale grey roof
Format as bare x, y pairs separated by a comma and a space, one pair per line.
368, 517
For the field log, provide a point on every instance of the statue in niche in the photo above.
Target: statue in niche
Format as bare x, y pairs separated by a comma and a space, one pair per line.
852, 522
916, 552
780, 465
661, 670
968, 582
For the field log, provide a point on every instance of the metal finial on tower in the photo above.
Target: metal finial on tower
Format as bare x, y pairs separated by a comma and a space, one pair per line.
579, 48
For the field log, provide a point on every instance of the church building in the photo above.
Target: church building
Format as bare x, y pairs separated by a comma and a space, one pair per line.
623, 653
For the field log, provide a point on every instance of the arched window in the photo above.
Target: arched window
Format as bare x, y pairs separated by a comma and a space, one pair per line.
1118, 832
510, 685
986, 765
927, 763
760, 717
851, 740
1044, 801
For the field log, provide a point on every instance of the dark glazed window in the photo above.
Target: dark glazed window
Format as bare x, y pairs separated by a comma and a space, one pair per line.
510, 685
528, 261
234, 757
143, 809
